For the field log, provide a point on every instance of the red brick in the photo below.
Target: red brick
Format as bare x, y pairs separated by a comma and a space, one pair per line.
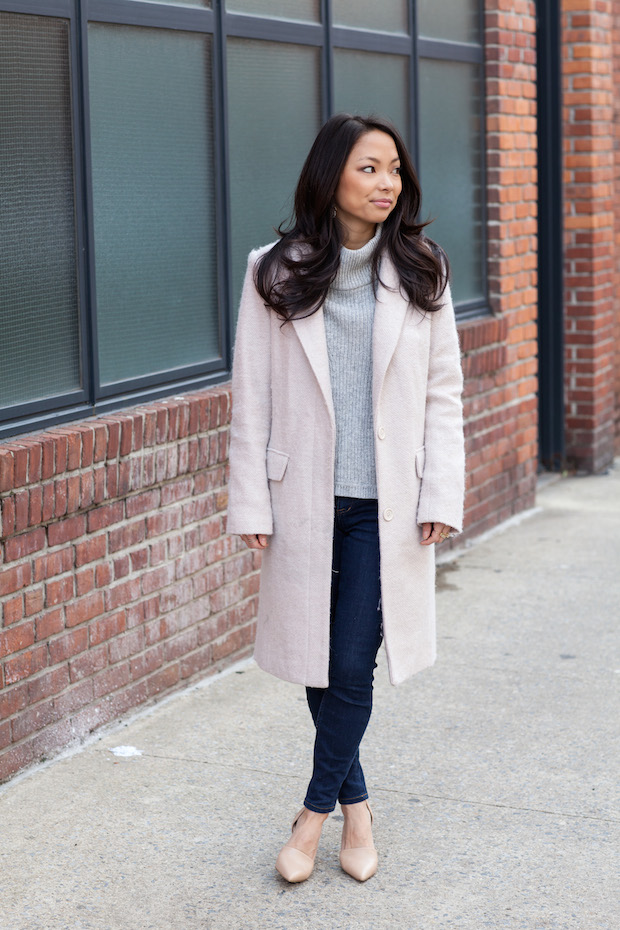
163, 522
35, 505
68, 645
5, 735
8, 516
73, 494
15, 578
141, 503
157, 579
12, 700
114, 433
175, 596
53, 563
126, 424
75, 698
147, 662
13, 760
22, 508
121, 566
163, 679
51, 682
90, 550
99, 478
106, 627
20, 465
157, 553
25, 664
49, 623
34, 461
196, 662
122, 593
139, 559
60, 497
6, 470
111, 679
128, 644
111, 480
84, 581
231, 643
49, 502
34, 600
101, 442
21, 546
12, 610
66, 530
103, 575
47, 459
127, 535
84, 609
88, 663
17, 638
60, 452
105, 515
59, 591
51, 739
180, 645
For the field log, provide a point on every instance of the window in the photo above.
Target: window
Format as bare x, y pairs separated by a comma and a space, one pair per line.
148, 145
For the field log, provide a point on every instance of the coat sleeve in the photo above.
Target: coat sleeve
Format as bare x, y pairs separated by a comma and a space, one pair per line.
249, 500
443, 482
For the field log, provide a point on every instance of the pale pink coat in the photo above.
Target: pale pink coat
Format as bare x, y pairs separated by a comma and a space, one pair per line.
282, 472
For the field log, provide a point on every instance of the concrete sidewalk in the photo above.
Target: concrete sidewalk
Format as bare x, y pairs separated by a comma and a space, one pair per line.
492, 775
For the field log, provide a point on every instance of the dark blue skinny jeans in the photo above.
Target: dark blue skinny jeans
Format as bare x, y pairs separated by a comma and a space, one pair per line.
342, 710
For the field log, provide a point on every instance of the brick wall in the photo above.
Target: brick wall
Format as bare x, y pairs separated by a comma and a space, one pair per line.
589, 232
615, 40
499, 352
117, 582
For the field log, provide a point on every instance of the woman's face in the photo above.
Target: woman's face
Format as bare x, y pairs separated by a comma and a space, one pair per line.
370, 183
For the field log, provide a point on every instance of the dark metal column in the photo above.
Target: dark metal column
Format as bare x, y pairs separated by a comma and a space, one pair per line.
550, 237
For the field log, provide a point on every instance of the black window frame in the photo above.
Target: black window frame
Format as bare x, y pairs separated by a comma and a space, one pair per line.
93, 398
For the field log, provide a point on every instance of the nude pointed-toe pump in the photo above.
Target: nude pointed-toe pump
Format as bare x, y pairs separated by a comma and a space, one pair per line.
360, 862
293, 864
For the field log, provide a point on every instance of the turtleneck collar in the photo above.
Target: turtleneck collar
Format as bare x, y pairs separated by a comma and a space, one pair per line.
355, 264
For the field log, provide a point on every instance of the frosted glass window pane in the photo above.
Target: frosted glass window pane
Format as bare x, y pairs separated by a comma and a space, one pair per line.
458, 20
39, 327
370, 82
274, 114
383, 16
307, 10
151, 128
450, 137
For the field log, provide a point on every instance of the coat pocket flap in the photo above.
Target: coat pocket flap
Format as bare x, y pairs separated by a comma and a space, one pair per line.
276, 464
419, 462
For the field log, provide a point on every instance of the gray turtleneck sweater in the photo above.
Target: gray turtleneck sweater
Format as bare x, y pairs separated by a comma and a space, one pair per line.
349, 311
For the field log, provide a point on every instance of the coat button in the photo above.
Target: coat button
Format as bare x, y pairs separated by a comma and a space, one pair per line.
388, 514
381, 433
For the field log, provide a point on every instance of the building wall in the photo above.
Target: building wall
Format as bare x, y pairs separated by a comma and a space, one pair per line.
616, 142
591, 310
117, 581
499, 352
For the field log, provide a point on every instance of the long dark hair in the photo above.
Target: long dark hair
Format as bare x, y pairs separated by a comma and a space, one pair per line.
294, 276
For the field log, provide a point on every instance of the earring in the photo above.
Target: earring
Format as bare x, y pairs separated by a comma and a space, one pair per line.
334, 211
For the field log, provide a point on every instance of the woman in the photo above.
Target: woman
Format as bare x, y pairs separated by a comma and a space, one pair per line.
346, 453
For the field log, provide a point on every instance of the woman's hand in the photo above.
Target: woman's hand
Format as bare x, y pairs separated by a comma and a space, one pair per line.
434, 533
255, 540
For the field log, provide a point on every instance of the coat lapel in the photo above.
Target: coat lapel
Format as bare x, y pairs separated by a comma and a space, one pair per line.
311, 333
390, 312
